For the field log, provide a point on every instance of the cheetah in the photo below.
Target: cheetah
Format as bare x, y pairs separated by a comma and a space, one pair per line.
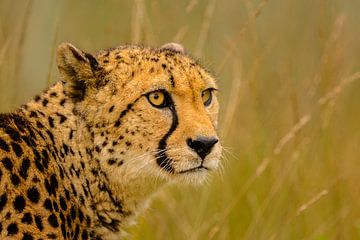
82, 159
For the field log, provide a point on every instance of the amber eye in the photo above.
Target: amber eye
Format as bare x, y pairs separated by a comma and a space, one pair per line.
158, 99
206, 96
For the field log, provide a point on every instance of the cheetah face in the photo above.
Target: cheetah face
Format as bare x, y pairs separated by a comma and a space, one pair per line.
154, 111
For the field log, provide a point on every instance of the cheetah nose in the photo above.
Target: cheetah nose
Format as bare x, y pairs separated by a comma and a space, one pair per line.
202, 145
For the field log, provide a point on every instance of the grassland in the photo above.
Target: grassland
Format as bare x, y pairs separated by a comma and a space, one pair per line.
289, 73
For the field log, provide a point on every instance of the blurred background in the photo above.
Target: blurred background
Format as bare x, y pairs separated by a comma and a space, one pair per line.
289, 74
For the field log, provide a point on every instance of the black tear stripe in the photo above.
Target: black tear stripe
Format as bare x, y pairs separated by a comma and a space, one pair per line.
161, 158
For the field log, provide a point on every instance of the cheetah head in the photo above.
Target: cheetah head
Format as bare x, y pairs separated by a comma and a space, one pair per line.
151, 112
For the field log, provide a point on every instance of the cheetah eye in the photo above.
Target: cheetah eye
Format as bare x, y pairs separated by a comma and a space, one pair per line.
206, 96
158, 99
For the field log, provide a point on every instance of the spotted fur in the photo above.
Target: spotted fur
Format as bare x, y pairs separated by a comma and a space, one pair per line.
81, 159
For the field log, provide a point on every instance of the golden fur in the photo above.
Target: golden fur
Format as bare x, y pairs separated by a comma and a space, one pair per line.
92, 148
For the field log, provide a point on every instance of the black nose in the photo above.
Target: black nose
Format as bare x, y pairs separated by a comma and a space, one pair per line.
202, 145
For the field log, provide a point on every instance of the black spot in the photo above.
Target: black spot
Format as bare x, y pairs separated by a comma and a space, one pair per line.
27, 218
35, 180
23, 171
81, 216
111, 161
45, 102
71, 134
77, 230
117, 123
53, 221
56, 207
48, 205
67, 194
37, 98
62, 102
38, 222
54, 183
27, 236
163, 66
33, 194
3, 201
19, 203
28, 142
7, 163
51, 121
12, 229
63, 230
48, 187
172, 80
15, 179
17, 149
33, 114
45, 158
128, 143
111, 108
73, 189
53, 94
51, 236
61, 173
84, 235
4, 146
97, 149
51, 136
73, 213
66, 149
13, 134
63, 203
62, 118
39, 124
39, 165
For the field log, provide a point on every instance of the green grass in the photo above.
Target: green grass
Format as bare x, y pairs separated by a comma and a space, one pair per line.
290, 119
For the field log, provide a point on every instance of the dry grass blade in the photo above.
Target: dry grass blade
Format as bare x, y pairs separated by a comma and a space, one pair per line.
191, 5
204, 32
137, 20
179, 36
312, 201
3, 50
22, 33
52, 57
291, 134
232, 48
337, 89
234, 98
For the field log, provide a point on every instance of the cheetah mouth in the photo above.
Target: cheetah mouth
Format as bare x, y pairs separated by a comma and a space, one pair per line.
195, 169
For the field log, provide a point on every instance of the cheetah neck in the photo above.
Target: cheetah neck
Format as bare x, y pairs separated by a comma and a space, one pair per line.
113, 205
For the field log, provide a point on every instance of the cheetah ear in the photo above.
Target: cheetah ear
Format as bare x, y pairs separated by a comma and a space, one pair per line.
78, 70
176, 47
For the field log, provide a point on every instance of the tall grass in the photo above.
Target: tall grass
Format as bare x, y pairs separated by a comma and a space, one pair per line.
289, 73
